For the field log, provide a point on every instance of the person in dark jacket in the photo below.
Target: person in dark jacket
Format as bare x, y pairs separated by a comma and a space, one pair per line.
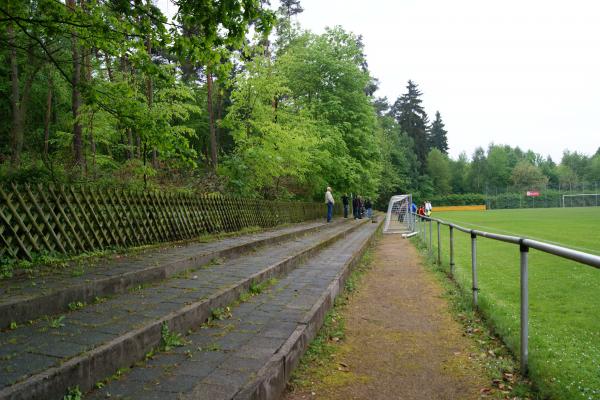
345, 203
369, 208
361, 207
355, 207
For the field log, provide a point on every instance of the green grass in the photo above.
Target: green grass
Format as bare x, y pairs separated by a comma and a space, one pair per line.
564, 297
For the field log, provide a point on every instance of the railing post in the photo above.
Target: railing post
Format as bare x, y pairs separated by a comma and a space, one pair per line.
430, 247
451, 250
474, 267
417, 227
524, 309
439, 246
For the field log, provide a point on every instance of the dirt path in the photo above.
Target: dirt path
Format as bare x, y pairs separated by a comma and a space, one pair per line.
401, 341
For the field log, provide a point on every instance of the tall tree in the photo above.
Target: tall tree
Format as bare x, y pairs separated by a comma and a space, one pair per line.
218, 26
413, 120
438, 167
289, 8
527, 176
78, 158
438, 134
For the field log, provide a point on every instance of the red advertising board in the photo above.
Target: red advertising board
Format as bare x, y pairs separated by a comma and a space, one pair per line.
533, 193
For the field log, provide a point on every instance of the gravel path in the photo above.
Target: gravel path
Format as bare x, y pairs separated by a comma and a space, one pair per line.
401, 341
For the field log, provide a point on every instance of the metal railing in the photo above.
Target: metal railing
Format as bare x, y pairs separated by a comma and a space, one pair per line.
424, 224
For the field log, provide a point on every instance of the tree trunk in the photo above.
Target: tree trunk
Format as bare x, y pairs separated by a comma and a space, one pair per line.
76, 97
47, 118
92, 146
109, 70
150, 97
88, 80
211, 120
219, 112
16, 132
129, 144
138, 145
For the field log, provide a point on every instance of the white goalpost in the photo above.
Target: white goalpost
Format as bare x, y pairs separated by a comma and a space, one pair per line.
399, 218
581, 200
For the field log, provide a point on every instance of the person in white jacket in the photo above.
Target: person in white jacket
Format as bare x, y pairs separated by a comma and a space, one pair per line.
330, 202
428, 208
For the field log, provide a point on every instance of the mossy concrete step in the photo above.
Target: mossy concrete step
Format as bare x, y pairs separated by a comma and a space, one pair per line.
251, 354
27, 299
44, 359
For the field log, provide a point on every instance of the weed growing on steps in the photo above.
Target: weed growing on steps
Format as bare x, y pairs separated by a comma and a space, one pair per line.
169, 339
57, 322
76, 305
73, 393
220, 313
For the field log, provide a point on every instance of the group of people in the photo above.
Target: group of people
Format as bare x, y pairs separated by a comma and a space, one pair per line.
360, 206
424, 209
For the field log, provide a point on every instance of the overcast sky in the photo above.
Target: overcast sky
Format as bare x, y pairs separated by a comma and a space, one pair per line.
519, 72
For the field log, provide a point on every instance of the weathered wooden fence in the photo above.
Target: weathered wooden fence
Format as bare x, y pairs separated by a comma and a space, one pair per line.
70, 220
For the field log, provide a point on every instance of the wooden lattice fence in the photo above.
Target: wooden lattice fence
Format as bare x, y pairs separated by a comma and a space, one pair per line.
71, 220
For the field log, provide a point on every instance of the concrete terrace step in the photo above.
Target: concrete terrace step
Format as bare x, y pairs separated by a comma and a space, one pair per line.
252, 354
40, 361
26, 299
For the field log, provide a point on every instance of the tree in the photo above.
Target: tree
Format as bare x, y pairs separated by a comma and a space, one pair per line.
438, 134
548, 168
566, 176
413, 121
289, 8
577, 163
438, 168
499, 167
275, 147
527, 176
477, 171
398, 161
213, 29
326, 78
459, 169
593, 170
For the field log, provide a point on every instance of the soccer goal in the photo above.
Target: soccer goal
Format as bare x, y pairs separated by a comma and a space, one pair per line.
399, 219
581, 200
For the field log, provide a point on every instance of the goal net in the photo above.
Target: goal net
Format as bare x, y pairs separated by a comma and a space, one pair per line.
581, 200
399, 218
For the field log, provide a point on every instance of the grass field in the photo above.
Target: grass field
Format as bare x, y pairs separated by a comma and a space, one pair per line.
564, 297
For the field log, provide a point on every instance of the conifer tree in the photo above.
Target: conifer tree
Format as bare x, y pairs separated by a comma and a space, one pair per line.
438, 134
290, 8
413, 121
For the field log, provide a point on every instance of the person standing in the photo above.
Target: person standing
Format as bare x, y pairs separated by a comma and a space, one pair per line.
369, 207
428, 208
329, 200
361, 206
345, 203
355, 206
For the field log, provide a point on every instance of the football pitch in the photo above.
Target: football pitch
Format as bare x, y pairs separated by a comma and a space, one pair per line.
564, 296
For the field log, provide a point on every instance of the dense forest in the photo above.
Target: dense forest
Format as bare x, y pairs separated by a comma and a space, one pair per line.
230, 97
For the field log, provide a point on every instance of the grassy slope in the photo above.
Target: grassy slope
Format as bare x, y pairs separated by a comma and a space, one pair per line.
564, 296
